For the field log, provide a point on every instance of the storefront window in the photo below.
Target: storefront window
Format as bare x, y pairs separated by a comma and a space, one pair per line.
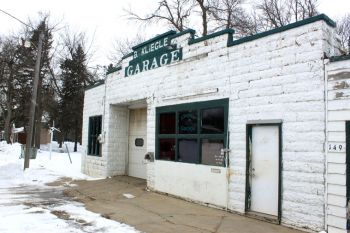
192, 133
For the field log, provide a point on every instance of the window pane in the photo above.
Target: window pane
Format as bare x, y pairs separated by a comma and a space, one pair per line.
95, 125
211, 152
188, 150
167, 123
167, 149
188, 122
213, 121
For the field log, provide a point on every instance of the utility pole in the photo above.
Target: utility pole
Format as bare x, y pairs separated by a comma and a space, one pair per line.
29, 142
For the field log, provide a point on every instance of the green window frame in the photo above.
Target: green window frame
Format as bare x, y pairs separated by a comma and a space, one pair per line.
195, 138
94, 146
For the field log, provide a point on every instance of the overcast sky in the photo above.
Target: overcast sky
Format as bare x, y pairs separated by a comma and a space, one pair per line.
105, 18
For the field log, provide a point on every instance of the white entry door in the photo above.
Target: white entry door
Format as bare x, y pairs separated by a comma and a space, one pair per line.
265, 169
137, 143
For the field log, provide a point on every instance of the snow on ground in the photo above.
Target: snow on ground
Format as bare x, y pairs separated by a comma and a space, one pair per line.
28, 205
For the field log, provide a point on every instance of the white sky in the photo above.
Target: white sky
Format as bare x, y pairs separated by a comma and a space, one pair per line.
105, 18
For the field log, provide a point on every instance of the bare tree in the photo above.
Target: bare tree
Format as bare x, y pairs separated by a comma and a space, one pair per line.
303, 9
123, 47
231, 14
204, 11
174, 13
343, 30
277, 13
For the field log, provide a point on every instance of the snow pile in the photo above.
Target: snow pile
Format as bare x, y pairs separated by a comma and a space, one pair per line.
41, 170
28, 205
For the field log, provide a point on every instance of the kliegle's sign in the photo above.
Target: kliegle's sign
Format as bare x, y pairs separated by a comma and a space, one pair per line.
152, 54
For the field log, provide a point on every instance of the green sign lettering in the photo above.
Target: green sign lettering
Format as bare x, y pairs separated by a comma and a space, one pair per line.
156, 53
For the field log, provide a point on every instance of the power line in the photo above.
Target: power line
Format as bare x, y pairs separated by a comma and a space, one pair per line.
16, 19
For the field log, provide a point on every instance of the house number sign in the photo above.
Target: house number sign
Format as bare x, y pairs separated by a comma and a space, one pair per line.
336, 147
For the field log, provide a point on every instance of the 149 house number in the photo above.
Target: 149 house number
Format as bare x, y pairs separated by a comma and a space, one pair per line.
336, 147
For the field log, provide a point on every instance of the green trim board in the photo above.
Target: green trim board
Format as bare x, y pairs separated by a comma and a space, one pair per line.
190, 31
213, 35
114, 69
284, 28
198, 108
249, 133
347, 139
164, 40
347, 161
158, 37
96, 84
340, 58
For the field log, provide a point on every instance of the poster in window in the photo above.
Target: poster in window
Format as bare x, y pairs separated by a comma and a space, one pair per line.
211, 152
188, 122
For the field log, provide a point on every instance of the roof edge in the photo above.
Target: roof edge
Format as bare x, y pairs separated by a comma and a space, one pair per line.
96, 84
339, 58
285, 28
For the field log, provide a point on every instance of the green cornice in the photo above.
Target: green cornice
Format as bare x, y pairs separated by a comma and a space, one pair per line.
230, 42
215, 34
191, 31
168, 33
96, 84
114, 69
127, 55
340, 58
285, 28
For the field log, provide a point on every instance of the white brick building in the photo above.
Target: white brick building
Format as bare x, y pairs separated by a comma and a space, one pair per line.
236, 124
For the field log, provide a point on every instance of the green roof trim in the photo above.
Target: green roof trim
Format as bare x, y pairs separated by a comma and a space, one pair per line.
168, 33
285, 28
127, 55
114, 69
215, 34
191, 31
96, 84
340, 58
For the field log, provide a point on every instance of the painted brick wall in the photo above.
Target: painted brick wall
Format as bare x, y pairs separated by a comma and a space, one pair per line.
117, 140
93, 105
338, 76
280, 76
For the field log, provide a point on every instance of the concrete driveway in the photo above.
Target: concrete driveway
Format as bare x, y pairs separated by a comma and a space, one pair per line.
156, 213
